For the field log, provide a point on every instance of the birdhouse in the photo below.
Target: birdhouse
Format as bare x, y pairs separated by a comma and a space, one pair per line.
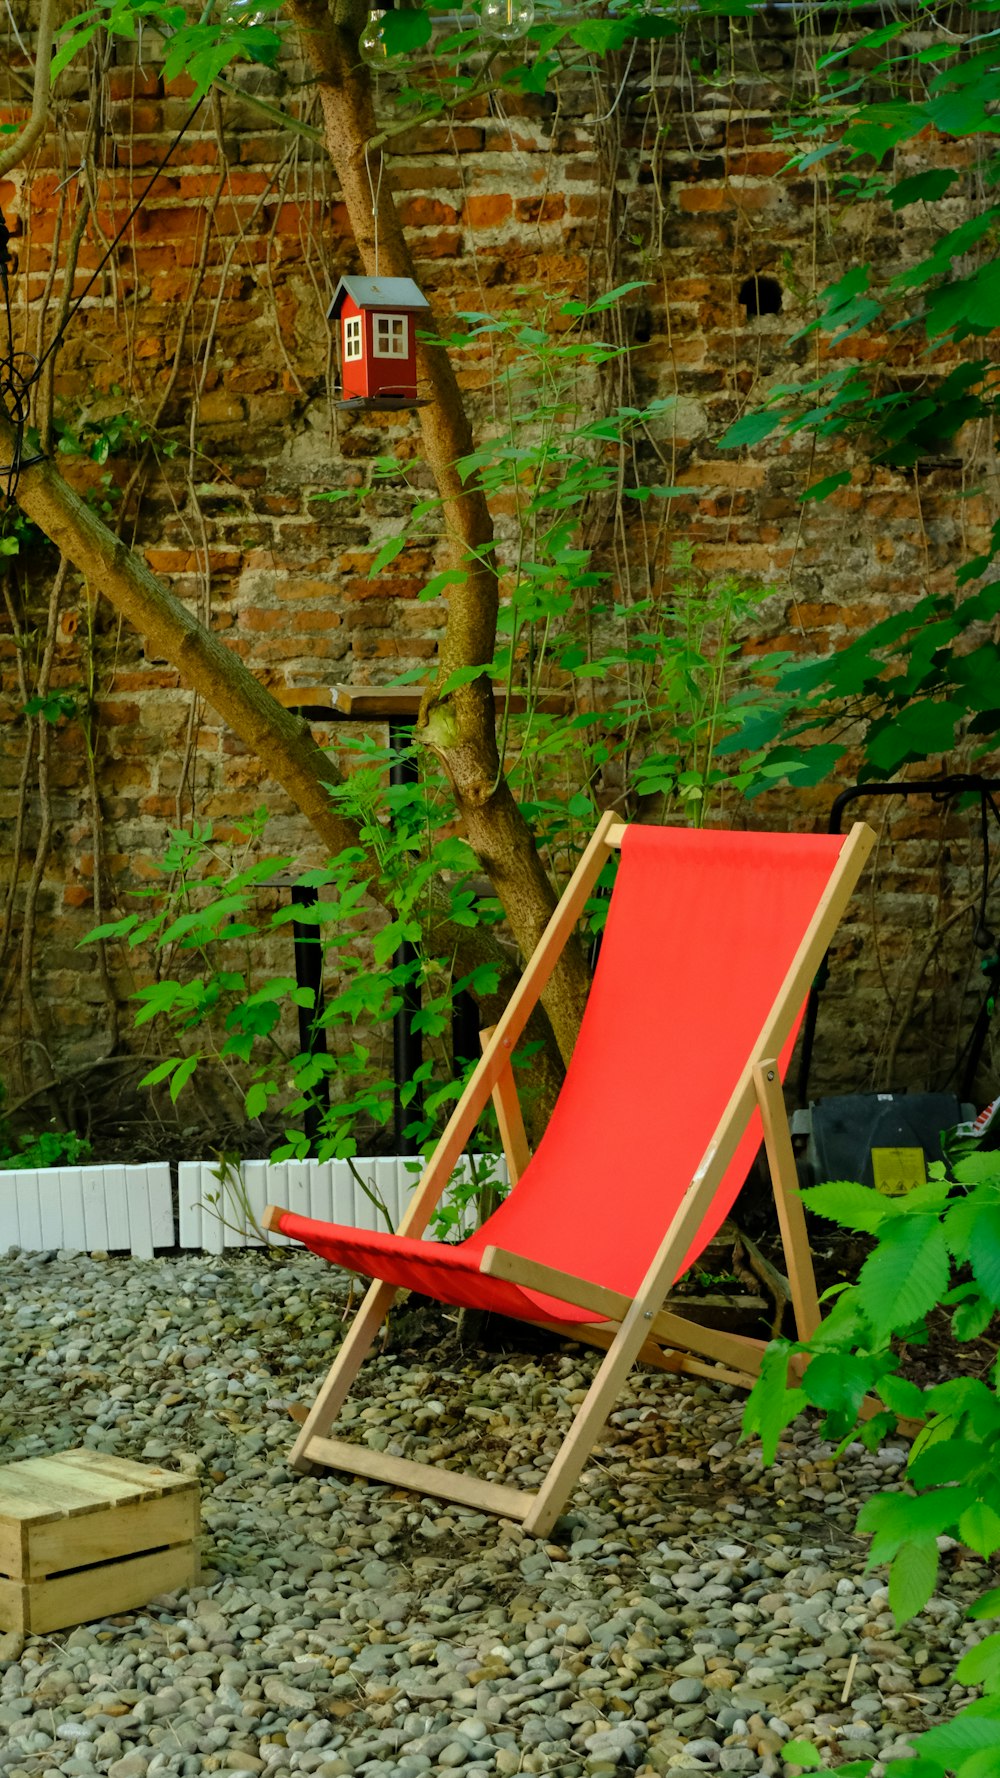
378, 340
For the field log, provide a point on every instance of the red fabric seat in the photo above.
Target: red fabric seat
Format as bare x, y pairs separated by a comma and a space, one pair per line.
702, 929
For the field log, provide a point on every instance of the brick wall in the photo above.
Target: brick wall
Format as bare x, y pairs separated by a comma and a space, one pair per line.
211, 324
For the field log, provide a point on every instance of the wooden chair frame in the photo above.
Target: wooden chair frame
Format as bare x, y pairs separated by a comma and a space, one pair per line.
639, 1329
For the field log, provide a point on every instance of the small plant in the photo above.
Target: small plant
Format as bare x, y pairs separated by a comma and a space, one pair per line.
712, 1280
938, 1247
47, 1148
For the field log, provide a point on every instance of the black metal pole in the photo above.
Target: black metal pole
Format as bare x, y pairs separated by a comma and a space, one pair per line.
407, 1044
312, 1033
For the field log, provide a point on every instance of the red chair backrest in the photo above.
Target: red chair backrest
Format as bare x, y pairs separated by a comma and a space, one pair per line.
702, 929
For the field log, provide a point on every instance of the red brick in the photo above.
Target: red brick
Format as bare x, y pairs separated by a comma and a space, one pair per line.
488, 209
425, 212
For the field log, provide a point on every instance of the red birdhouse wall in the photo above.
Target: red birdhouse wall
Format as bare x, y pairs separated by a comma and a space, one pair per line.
378, 351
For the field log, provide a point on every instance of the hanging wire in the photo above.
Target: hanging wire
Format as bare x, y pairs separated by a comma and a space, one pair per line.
19, 371
15, 380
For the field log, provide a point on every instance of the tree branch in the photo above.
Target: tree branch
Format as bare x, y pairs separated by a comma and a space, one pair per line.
25, 142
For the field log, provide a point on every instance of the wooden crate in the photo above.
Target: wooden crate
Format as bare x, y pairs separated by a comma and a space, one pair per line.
83, 1536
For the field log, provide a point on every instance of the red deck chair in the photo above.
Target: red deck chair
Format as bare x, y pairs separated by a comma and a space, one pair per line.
712, 940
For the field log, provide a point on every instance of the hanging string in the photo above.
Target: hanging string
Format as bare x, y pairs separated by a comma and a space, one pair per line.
376, 192
16, 379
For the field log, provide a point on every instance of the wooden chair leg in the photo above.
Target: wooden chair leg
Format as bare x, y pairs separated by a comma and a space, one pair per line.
785, 1184
336, 1387
591, 1418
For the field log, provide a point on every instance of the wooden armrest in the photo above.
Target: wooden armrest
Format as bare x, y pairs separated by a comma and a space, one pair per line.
498, 1263
271, 1219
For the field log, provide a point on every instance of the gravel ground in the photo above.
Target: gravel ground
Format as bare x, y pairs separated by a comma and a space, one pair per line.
691, 1612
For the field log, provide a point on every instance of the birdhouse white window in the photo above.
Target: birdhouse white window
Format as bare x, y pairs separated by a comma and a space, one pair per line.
391, 336
352, 337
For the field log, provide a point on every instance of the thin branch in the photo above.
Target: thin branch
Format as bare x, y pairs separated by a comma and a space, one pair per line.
25, 142
275, 112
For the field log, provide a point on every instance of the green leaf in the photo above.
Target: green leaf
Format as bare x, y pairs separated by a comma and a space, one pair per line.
988, 1606
912, 1578
601, 36
980, 1665
897, 1519
923, 187
921, 728
182, 1075
69, 47
972, 1318
902, 1396
838, 1382
111, 929
979, 1527
257, 1095
802, 1753
950, 1460
906, 1276
984, 1254
851, 1205
829, 485
771, 1405
460, 676
162, 1071
751, 429
967, 1733
982, 1764
394, 545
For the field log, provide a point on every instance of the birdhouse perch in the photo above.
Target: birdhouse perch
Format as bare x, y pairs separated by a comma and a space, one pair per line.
378, 341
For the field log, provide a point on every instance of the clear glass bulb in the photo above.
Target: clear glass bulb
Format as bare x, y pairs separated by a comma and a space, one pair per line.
507, 19
372, 46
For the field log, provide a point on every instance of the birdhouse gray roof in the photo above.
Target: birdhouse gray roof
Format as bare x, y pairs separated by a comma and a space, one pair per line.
377, 293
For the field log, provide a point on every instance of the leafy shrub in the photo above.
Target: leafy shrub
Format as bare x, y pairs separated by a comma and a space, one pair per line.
938, 1246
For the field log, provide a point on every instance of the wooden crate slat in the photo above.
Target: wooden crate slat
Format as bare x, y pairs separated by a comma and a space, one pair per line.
80, 1598
26, 1500
150, 1478
64, 1469
137, 1528
13, 1546
48, 1483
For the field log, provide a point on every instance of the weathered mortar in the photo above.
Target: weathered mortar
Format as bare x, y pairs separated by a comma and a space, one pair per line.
677, 187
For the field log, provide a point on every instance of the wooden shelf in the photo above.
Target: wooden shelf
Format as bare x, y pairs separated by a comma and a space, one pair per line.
377, 703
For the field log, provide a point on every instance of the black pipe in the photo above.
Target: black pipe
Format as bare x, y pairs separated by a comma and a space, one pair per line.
407, 1044
308, 953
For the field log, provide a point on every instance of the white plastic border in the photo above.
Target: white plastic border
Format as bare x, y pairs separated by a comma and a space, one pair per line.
87, 1209
130, 1209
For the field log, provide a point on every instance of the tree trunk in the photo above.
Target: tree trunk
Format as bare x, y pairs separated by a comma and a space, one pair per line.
459, 727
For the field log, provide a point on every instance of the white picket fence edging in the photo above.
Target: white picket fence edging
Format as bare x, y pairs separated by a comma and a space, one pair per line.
131, 1208
87, 1209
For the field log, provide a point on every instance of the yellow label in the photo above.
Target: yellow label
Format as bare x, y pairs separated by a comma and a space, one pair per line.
898, 1170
